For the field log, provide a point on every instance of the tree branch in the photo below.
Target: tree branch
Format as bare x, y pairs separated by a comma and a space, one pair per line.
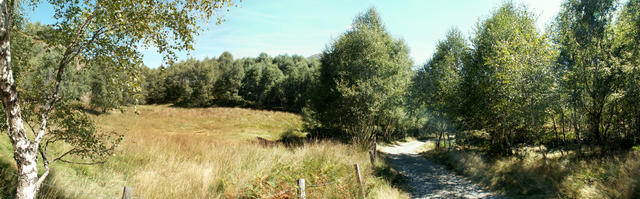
46, 167
30, 126
69, 54
64, 154
84, 163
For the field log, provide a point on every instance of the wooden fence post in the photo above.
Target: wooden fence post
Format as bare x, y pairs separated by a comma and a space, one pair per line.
372, 158
359, 179
126, 193
373, 153
301, 188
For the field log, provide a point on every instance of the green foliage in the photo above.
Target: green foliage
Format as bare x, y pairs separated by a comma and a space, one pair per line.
508, 84
190, 82
363, 77
434, 89
251, 82
591, 68
154, 85
101, 37
227, 86
269, 94
109, 89
628, 40
280, 83
75, 128
70, 124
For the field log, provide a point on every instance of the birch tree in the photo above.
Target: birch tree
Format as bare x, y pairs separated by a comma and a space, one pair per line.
363, 77
584, 35
88, 32
439, 81
508, 82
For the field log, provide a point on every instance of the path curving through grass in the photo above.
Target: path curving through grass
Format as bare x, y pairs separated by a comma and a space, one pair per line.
427, 179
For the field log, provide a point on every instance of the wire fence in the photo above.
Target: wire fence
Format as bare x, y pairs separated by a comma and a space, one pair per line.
302, 187
86, 194
296, 189
129, 195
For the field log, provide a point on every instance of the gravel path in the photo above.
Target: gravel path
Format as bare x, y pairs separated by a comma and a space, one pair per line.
430, 180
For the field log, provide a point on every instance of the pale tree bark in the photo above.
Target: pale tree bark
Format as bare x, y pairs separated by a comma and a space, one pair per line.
25, 151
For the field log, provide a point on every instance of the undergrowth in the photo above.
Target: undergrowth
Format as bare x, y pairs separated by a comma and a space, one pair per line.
562, 175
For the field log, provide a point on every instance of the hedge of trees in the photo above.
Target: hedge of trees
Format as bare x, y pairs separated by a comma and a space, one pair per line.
574, 85
278, 83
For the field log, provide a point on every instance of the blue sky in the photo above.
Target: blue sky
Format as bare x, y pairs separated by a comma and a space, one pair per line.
306, 27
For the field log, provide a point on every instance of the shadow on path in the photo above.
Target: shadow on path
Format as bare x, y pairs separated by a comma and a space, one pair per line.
430, 180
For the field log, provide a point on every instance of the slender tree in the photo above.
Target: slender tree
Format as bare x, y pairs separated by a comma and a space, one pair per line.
436, 85
362, 79
583, 32
628, 50
508, 82
88, 32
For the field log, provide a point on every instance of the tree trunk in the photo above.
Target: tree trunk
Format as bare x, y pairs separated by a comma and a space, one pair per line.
24, 151
555, 130
439, 139
637, 129
27, 173
564, 135
375, 147
576, 130
544, 155
596, 119
450, 145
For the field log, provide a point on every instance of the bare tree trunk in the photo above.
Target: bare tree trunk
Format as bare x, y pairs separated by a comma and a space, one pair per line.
375, 147
564, 135
439, 139
442, 134
555, 130
576, 130
544, 154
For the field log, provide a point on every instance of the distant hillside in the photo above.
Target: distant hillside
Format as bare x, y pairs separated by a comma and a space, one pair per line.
315, 56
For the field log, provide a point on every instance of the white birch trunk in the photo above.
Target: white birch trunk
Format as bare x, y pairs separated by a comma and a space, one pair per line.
24, 151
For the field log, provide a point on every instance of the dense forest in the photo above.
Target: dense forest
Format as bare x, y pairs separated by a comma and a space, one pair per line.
265, 82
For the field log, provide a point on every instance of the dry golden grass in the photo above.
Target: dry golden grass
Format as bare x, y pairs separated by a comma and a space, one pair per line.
213, 153
564, 175
221, 123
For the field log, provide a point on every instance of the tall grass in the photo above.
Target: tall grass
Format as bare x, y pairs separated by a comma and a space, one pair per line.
213, 153
563, 175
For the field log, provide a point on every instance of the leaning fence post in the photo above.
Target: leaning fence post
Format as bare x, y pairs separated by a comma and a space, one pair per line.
126, 193
359, 179
301, 186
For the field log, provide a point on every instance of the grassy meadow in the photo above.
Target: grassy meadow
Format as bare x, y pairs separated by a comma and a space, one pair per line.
210, 153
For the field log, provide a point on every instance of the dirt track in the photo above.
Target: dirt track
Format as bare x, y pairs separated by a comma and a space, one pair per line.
430, 180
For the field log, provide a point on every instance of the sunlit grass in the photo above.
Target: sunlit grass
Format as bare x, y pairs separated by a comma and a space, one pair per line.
563, 175
213, 153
